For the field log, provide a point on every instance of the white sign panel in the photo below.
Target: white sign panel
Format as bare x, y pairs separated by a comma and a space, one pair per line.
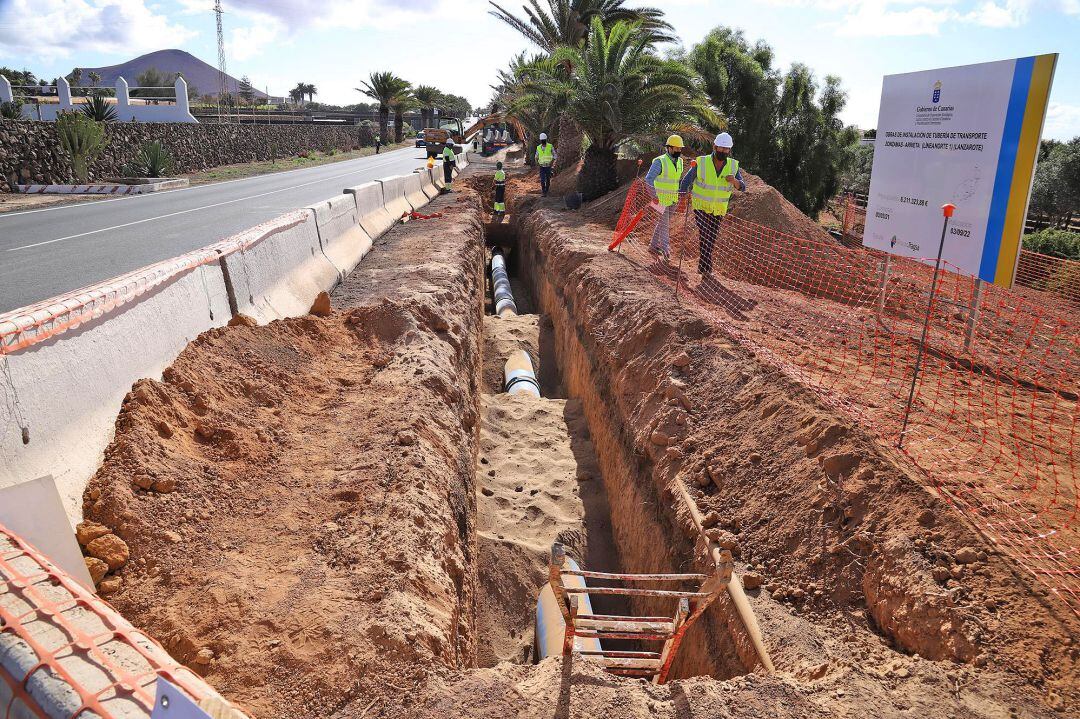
966, 136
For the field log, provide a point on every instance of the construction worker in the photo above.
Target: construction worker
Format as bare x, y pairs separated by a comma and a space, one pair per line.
663, 179
378, 141
500, 189
712, 180
449, 161
545, 158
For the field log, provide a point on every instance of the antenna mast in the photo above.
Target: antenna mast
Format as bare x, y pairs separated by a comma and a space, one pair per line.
223, 84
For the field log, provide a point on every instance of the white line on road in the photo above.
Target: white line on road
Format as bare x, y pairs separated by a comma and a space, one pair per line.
196, 209
268, 175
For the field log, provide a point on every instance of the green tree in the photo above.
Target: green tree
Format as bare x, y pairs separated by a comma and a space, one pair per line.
297, 93
383, 87
1055, 193
567, 22
858, 162
741, 83
95, 78
151, 83
246, 92
19, 77
75, 77
454, 106
618, 89
401, 103
310, 90
534, 90
427, 97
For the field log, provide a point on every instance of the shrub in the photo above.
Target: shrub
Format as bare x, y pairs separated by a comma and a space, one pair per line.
1065, 281
153, 160
82, 138
11, 110
96, 108
1055, 243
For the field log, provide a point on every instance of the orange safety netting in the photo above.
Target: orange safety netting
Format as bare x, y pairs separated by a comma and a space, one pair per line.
993, 424
76, 656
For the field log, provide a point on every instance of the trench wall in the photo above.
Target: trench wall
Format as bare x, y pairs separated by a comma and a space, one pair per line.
613, 353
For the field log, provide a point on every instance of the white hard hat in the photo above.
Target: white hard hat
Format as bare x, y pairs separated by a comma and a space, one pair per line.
543, 135
723, 140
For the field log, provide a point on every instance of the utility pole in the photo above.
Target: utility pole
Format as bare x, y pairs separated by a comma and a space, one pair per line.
223, 84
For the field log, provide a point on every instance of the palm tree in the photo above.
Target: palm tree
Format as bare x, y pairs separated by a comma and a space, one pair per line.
567, 22
383, 87
535, 92
310, 90
619, 89
427, 97
401, 102
298, 92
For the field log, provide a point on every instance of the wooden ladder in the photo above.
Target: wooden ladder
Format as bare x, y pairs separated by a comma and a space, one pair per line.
667, 630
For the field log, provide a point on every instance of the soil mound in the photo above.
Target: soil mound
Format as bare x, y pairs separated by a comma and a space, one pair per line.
763, 204
297, 498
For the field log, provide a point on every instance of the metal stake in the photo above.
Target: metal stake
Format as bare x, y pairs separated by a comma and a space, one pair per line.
973, 316
947, 210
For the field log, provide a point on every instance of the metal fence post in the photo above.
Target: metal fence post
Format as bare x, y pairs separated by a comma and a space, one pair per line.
973, 315
886, 266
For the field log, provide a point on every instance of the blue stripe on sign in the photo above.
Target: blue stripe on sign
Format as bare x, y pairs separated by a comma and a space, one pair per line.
1010, 141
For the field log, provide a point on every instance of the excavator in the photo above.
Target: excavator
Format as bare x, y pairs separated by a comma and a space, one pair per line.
499, 132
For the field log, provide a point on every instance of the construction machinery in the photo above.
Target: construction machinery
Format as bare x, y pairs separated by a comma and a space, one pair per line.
449, 130
499, 131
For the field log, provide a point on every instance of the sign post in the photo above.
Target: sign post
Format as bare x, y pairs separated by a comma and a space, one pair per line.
967, 136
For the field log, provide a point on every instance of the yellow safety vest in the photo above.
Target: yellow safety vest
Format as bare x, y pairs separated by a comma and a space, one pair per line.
710, 193
666, 183
500, 177
448, 154
545, 154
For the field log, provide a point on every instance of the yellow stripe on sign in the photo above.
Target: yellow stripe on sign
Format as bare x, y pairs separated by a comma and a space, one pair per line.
1023, 171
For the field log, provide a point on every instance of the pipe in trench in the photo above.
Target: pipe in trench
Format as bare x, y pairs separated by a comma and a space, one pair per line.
550, 627
500, 281
519, 376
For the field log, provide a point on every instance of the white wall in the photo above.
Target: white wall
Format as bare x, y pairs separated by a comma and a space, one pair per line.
125, 110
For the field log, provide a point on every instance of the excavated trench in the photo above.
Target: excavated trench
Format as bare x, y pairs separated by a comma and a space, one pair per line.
360, 480
560, 469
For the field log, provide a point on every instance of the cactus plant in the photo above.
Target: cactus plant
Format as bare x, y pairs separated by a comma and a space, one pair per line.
82, 138
97, 108
153, 160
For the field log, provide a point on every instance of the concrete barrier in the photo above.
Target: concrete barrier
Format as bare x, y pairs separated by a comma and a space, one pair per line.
67, 363
343, 240
275, 270
370, 210
394, 200
437, 177
427, 183
414, 191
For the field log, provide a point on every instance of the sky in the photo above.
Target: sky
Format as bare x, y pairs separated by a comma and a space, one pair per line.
457, 46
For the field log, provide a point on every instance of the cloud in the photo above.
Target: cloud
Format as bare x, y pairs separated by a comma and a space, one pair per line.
1011, 13
879, 19
1062, 121
250, 40
58, 28
1070, 7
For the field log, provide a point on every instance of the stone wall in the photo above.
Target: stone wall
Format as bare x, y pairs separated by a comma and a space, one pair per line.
30, 151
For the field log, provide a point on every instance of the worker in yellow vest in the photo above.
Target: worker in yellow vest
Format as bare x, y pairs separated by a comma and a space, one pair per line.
710, 183
500, 189
449, 160
545, 158
663, 179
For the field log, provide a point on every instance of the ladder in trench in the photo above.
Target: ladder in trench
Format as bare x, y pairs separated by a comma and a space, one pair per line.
668, 631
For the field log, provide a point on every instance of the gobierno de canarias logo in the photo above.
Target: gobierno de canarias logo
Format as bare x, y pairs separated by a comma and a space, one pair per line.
936, 98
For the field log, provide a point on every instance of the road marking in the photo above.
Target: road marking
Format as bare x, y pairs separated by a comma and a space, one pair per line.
193, 209
17, 213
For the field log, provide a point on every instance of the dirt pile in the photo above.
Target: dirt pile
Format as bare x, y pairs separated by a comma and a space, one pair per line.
763, 205
315, 545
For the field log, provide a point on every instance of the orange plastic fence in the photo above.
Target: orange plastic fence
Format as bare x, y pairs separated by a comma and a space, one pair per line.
72, 646
994, 419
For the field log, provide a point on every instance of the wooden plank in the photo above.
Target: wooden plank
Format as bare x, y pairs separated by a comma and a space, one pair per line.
671, 647
621, 618
613, 653
662, 627
640, 636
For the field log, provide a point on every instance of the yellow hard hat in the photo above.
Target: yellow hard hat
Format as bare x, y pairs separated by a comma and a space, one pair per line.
674, 141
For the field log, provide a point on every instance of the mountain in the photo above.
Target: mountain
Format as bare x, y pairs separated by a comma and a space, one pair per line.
202, 76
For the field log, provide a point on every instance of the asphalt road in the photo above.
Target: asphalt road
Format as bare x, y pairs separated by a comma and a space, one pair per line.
57, 249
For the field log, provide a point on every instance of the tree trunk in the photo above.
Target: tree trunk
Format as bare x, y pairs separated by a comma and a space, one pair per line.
384, 123
398, 124
598, 173
569, 143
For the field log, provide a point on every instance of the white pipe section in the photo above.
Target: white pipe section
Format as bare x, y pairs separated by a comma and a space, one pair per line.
550, 627
519, 376
500, 281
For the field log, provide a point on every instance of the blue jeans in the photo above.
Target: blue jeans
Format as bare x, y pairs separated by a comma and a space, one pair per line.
661, 236
545, 179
